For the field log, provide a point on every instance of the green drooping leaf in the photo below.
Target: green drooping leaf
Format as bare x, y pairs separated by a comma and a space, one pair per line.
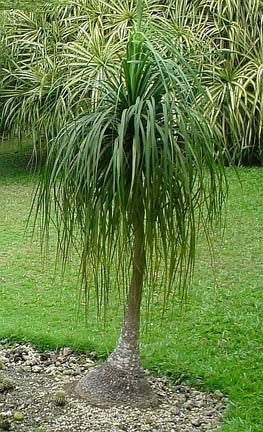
143, 143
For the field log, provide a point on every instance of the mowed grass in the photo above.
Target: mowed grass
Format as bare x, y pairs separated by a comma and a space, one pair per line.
214, 343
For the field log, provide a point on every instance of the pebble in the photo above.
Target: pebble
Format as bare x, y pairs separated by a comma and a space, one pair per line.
66, 351
36, 369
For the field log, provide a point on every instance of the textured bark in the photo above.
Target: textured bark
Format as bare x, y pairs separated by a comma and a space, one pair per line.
127, 355
121, 379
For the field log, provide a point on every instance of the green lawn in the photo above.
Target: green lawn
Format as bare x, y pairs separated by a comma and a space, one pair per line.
216, 343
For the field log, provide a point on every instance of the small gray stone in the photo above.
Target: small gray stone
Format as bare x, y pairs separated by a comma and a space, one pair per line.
66, 351
36, 369
189, 404
218, 394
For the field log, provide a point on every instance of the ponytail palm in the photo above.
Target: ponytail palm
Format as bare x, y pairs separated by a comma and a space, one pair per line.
128, 183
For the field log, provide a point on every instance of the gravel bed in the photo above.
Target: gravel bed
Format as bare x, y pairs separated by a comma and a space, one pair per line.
31, 401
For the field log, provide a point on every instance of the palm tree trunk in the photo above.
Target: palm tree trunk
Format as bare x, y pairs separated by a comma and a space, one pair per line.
127, 353
121, 379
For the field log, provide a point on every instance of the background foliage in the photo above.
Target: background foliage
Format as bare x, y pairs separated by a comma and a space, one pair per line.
51, 55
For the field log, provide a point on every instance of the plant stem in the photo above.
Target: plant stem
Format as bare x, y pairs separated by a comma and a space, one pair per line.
127, 353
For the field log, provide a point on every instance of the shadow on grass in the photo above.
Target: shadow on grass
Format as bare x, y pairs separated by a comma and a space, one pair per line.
19, 166
19, 160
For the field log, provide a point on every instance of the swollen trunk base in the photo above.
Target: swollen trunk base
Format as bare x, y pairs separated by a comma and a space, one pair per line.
107, 386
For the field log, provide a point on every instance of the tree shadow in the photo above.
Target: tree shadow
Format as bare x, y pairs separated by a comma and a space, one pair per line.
18, 165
